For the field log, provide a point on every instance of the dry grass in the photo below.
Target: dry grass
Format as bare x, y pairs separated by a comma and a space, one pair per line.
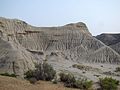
9, 83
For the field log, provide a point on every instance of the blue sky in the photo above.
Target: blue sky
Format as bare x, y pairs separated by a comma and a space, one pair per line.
101, 16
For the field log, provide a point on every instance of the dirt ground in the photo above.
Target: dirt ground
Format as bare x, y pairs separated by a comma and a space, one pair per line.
8, 83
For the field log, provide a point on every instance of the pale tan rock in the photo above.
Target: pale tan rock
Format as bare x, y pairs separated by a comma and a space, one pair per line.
22, 45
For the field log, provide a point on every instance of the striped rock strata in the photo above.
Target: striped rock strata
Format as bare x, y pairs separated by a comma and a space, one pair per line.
23, 45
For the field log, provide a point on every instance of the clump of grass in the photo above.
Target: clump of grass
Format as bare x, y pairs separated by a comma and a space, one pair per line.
78, 66
85, 67
9, 75
108, 83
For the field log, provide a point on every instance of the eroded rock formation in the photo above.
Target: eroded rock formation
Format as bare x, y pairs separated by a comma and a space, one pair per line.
112, 40
22, 45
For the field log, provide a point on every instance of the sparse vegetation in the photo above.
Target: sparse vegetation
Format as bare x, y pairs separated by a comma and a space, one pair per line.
83, 84
117, 69
33, 80
9, 75
84, 67
70, 81
42, 72
29, 74
78, 66
108, 83
111, 73
7, 83
55, 80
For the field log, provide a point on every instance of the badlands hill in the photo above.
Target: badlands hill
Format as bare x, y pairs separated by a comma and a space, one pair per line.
112, 40
23, 45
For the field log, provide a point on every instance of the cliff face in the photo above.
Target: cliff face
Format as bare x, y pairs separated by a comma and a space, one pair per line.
22, 45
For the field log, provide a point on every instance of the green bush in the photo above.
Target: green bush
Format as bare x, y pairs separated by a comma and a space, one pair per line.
108, 83
83, 84
9, 75
13, 75
87, 84
42, 72
70, 81
29, 74
63, 77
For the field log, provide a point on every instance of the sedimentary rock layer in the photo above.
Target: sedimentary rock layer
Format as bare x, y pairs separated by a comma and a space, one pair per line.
22, 45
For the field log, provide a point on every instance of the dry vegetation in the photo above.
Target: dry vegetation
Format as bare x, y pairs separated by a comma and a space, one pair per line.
9, 83
85, 67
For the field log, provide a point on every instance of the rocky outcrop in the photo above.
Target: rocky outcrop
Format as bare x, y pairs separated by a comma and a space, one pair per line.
22, 45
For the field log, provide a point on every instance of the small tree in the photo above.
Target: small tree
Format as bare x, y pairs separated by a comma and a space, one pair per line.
108, 83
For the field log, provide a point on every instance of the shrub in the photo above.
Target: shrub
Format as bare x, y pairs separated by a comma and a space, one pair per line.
9, 75
29, 74
13, 75
42, 72
55, 80
32, 80
4, 74
68, 79
63, 77
108, 83
117, 69
83, 84
87, 84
